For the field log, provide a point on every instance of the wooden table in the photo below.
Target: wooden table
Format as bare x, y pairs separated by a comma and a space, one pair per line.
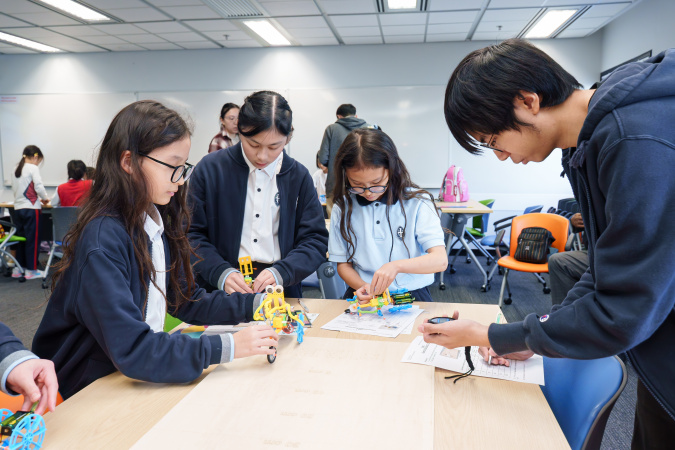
476, 413
460, 215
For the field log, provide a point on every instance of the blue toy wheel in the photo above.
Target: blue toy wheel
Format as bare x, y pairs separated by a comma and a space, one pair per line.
28, 434
5, 413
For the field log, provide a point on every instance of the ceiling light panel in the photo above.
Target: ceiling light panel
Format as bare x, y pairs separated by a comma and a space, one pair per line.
549, 23
28, 43
77, 10
398, 5
266, 30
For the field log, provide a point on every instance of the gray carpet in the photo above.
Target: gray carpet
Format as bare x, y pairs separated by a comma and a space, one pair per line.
22, 306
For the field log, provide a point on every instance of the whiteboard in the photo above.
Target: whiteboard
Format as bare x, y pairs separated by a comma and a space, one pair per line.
202, 109
63, 126
411, 116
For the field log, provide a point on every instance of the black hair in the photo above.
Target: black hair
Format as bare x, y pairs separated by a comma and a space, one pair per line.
90, 173
28, 152
76, 169
346, 109
480, 93
366, 148
226, 107
265, 110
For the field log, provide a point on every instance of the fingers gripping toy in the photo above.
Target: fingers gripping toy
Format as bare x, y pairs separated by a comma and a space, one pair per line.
22, 430
280, 315
246, 269
401, 298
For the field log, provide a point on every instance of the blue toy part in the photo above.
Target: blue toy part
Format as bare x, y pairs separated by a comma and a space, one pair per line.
398, 291
398, 308
301, 327
27, 435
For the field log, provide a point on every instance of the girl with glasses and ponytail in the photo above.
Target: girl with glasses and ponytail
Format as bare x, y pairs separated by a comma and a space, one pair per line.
126, 264
385, 231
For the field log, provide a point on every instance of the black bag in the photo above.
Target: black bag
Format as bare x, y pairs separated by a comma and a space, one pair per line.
533, 245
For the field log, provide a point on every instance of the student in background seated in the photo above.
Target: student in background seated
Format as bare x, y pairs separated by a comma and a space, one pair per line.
319, 178
90, 173
29, 195
254, 200
72, 192
228, 135
566, 269
126, 263
385, 231
21, 372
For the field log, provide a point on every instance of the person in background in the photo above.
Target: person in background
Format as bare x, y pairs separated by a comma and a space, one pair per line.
90, 173
335, 133
228, 135
23, 373
254, 200
566, 269
29, 196
72, 192
319, 178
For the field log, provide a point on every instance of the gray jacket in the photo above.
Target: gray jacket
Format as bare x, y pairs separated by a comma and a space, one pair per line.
332, 140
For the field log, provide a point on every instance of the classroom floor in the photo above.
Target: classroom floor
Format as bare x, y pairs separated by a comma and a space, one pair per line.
22, 306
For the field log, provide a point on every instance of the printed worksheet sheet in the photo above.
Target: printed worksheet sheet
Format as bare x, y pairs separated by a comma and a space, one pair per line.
220, 329
420, 352
387, 325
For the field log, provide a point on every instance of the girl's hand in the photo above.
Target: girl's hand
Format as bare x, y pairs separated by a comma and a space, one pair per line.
363, 294
235, 283
457, 333
255, 340
264, 279
383, 277
503, 360
36, 380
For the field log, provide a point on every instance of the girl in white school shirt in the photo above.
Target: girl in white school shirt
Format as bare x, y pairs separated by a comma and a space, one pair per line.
385, 231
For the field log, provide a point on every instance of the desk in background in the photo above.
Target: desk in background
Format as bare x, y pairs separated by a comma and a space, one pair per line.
45, 232
476, 413
460, 213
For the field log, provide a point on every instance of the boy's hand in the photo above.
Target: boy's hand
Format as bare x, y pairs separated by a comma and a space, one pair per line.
255, 340
383, 277
36, 380
235, 283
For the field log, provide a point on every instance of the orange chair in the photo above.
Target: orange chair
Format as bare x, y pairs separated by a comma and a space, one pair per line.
14, 403
557, 225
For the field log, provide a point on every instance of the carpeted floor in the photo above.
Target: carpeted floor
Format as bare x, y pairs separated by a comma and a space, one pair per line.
22, 306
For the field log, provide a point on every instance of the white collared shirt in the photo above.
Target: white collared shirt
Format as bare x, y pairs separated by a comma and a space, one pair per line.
156, 308
260, 233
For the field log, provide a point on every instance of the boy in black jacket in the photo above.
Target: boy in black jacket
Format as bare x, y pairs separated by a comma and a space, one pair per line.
254, 200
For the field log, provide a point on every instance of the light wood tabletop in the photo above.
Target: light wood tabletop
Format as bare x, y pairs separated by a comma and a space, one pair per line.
11, 205
476, 413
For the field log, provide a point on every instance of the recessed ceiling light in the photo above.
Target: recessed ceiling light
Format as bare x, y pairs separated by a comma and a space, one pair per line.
266, 30
77, 10
550, 22
26, 43
402, 4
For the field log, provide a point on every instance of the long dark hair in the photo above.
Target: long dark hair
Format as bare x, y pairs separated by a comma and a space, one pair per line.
265, 110
366, 148
28, 152
140, 128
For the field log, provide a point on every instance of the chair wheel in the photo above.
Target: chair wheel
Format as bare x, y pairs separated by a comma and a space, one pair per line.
547, 290
468, 261
441, 287
507, 301
44, 285
453, 270
483, 288
22, 279
489, 261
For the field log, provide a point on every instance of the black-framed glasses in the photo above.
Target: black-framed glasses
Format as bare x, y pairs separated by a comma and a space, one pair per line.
486, 145
184, 171
372, 189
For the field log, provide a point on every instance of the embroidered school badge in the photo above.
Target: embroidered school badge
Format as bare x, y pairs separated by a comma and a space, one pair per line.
276, 199
543, 318
400, 233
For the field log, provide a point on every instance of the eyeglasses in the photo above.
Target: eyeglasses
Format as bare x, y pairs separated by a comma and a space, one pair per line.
184, 171
486, 146
372, 189
231, 118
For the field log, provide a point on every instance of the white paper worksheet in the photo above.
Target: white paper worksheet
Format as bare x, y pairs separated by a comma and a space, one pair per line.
420, 352
387, 325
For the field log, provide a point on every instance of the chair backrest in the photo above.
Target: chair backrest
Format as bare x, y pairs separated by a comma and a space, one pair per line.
481, 222
62, 218
557, 225
581, 394
533, 209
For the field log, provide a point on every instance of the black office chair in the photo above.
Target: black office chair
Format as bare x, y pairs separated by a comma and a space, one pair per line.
63, 218
7, 239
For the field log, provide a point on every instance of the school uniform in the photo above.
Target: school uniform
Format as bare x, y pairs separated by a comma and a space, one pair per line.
319, 179
272, 213
12, 353
71, 193
28, 190
222, 140
379, 240
100, 317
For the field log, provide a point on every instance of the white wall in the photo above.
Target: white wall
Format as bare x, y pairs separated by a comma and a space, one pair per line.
309, 68
646, 26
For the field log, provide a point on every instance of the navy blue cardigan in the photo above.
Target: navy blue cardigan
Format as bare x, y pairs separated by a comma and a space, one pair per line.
218, 199
94, 323
11, 351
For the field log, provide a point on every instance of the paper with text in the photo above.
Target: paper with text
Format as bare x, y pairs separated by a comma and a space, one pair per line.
388, 325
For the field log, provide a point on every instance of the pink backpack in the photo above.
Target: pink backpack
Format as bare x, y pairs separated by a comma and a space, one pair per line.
454, 188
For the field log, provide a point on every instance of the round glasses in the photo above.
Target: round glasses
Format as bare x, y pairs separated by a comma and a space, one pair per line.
372, 189
184, 171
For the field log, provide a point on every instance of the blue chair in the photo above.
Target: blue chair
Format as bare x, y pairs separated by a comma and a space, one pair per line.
581, 394
63, 217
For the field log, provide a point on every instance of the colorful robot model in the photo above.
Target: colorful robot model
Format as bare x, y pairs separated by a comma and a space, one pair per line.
246, 269
401, 298
22, 430
279, 315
